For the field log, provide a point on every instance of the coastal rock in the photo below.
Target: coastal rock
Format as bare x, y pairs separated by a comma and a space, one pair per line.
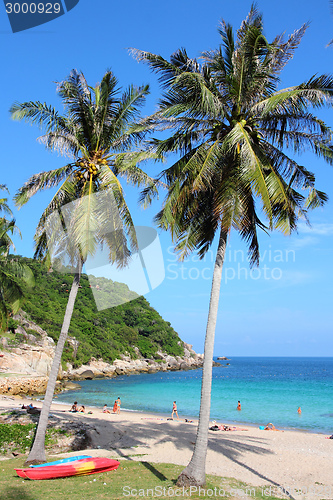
23, 385
70, 386
32, 360
87, 375
27, 361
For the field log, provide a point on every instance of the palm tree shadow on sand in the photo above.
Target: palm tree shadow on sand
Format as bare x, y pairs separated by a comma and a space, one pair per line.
122, 439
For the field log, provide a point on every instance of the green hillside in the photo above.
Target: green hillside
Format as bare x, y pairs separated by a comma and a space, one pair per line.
101, 334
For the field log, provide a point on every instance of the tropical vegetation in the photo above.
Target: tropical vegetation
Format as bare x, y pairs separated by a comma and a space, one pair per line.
100, 334
13, 274
88, 209
237, 136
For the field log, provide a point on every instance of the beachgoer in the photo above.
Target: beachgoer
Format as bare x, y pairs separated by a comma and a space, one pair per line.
82, 409
239, 406
174, 410
105, 409
74, 407
223, 427
29, 407
115, 407
118, 405
299, 411
271, 427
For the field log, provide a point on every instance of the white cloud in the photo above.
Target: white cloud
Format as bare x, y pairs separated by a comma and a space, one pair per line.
322, 229
299, 242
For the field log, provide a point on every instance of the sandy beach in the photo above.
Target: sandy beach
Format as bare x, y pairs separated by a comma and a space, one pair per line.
300, 462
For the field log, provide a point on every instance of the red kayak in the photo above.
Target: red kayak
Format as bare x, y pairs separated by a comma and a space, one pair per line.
79, 468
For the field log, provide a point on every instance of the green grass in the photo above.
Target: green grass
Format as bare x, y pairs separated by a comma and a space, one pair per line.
131, 480
19, 437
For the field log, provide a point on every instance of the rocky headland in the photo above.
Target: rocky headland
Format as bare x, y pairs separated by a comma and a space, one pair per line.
24, 367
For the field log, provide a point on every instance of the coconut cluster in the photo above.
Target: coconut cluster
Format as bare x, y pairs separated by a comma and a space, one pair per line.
90, 166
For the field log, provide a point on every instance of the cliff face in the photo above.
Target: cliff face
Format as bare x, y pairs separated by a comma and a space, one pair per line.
31, 355
25, 366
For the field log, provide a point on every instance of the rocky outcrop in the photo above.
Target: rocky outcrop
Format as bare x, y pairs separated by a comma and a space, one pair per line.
32, 358
23, 385
33, 355
128, 366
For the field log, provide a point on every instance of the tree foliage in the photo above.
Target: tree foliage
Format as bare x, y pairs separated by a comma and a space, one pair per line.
101, 334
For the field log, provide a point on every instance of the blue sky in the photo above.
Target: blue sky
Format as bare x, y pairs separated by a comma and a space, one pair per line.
281, 309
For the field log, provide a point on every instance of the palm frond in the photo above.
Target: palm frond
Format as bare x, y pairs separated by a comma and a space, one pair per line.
44, 180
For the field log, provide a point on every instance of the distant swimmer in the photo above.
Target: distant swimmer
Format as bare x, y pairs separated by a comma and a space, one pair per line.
239, 406
299, 411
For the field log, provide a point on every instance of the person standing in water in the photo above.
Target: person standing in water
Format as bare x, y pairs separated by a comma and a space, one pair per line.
239, 406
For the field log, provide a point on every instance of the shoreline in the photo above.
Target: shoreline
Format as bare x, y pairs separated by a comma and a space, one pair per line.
289, 459
195, 418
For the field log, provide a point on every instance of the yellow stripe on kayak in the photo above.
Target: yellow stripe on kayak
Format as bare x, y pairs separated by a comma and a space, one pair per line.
85, 466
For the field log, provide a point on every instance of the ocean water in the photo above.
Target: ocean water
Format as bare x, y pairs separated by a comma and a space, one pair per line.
270, 390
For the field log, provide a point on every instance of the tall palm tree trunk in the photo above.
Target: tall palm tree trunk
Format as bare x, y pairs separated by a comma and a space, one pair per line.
195, 473
37, 452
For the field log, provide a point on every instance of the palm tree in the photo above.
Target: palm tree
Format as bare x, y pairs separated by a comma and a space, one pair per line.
4, 201
13, 274
96, 132
232, 128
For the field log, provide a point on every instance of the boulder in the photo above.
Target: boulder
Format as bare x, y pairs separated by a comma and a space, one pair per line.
70, 386
87, 375
152, 369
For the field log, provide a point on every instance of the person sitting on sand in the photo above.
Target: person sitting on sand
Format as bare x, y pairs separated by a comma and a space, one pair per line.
29, 407
271, 427
225, 428
105, 409
82, 409
74, 407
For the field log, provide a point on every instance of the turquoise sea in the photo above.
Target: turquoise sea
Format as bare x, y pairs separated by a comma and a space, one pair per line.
270, 390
